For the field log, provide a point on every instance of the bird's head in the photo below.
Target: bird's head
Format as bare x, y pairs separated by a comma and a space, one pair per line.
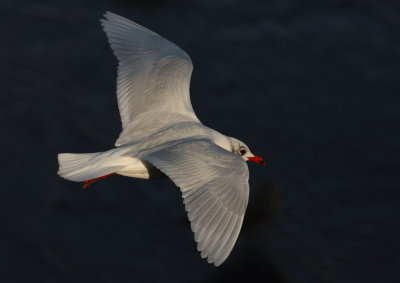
240, 148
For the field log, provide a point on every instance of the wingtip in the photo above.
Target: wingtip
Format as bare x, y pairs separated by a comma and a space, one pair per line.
108, 16
216, 264
219, 261
212, 260
113, 16
103, 19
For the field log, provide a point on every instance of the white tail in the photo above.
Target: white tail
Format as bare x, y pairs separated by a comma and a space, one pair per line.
86, 166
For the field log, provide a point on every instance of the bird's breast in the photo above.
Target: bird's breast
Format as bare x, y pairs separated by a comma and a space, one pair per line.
142, 169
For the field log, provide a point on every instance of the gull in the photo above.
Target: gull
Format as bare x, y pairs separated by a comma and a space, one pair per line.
162, 137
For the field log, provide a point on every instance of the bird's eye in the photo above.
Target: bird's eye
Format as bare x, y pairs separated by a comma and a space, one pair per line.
242, 151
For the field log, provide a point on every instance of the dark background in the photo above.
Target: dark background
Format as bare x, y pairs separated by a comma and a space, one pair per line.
312, 86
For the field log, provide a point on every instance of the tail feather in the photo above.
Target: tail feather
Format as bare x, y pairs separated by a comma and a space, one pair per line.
86, 166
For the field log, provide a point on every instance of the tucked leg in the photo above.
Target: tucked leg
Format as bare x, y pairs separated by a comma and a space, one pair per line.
91, 181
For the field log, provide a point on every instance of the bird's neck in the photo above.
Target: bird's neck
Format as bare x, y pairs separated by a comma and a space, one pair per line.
222, 141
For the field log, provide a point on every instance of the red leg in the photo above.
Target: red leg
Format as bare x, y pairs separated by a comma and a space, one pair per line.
91, 181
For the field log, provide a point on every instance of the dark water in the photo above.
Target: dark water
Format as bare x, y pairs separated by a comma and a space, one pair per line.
312, 86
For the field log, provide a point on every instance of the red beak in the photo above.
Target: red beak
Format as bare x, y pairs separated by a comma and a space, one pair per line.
257, 159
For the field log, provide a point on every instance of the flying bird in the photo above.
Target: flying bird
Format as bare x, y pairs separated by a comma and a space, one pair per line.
161, 136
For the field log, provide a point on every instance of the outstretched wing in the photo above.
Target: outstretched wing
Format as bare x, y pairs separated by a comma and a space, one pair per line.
215, 188
153, 79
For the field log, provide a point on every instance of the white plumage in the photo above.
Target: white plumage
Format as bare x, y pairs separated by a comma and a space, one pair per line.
162, 135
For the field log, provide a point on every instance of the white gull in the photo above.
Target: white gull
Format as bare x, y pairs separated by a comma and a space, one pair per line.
161, 135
